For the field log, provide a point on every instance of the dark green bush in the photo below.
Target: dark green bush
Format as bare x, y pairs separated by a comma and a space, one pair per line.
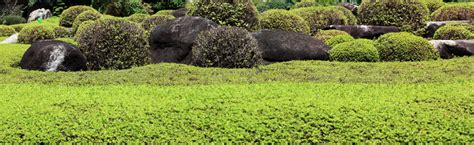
405, 46
84, 25
151, 22
6, 31
325, 35
124, 8
113, 44
357, 50
138, 18
304, 4
69, 15
433, 5
450, 12
284, 20
453, 33
30, 34
409, 15
351, 18
321, 17
242, 15
12, 20
273, 4
85, 16
61, 32
228, 47
338, 39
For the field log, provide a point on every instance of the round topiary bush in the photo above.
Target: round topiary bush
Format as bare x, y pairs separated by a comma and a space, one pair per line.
433, 5
68, 40
85, 16
351, 18
304, 4
12, 20
405, 46
357, 50
82, 27
18, 27
69, 15
30, 34
451, 12
113, 44
453, 33
238, 14
6, 31
164, 12
283, 20
321, 17
339, 39
325, 35
409, 15
138, 18
151, 22
227, 47
61, 32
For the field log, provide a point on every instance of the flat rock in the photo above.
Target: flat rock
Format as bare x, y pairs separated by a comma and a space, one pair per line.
450, 48
365, 31
432, 26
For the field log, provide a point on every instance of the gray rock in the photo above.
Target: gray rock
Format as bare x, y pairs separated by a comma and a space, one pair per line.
278, 45
450, 48
11, 40
432, 26
180, 12
39, 13
365, 31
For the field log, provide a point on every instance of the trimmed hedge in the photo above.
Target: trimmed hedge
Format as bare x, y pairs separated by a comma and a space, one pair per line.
61, 32
453, 33
138, 18
113, 44
321, 17
151, 22
228, 47
405, 46
325, 35
339, 39
6, 31
434, 5
30, 34
284, 20
357, 50
351, 18
451, 12
237, 14
84, 25
304, 4
69, 15
85, 16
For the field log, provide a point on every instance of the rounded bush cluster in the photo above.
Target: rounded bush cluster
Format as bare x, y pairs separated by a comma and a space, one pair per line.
113, 44
164, 12
34, 33
433, 5
227, 47
351, 18
357, 50
85, 16
451, 12
408, 15
453, 33
69, 15
12, 20
6, 31
243, 15
321, 17
304, 4
325, 35
138, 17
61, 32
283, 20
405, 46
151, 22
82, 27
18, 27
339, 39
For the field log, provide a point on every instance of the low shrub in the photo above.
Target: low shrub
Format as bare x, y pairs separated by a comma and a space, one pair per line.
434, 5
405, 46
408, 15
339, 39
357, 50
283, 20
30, 34
18, 27
6, 31
304, 4
61, 32
138, 18
273, 4
451, 12
12, 20
69, 15
321, 17
325, 35
113, 44
242, 15
351, 18
85, 16
164, 12
151, 22
82, 27
453, 33
228, 47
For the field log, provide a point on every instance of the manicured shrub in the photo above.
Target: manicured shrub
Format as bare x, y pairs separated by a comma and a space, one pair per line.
155, 20
351, 18
409, 15
450, 12
61, 32
18, 27
6, 31
284, 20
339, 39
138, 18
113, 44
325, 35
304, 4
453, 33
82, 27
273, 4
405, 46
164, 12
85, 16
357, 50
12, 20
242, 15
30, 34
228, 47
321, 17
433, 5
69, 15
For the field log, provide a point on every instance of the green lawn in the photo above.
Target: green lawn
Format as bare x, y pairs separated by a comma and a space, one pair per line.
298, 101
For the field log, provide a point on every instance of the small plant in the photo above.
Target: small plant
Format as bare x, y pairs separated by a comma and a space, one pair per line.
283, 20
325, 35
451, 12
6, 31
451, 32
34, 33
339, 39
405, 46
151, 22
357, 50
69, 15
85, 16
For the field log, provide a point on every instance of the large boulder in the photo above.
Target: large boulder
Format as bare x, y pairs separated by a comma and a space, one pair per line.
53, 55
450, 48
39, 13
173, 41
365, 31
279, 45
432, 26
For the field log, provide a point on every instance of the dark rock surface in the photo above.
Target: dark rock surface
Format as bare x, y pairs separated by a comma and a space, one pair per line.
365, 31
450, 48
